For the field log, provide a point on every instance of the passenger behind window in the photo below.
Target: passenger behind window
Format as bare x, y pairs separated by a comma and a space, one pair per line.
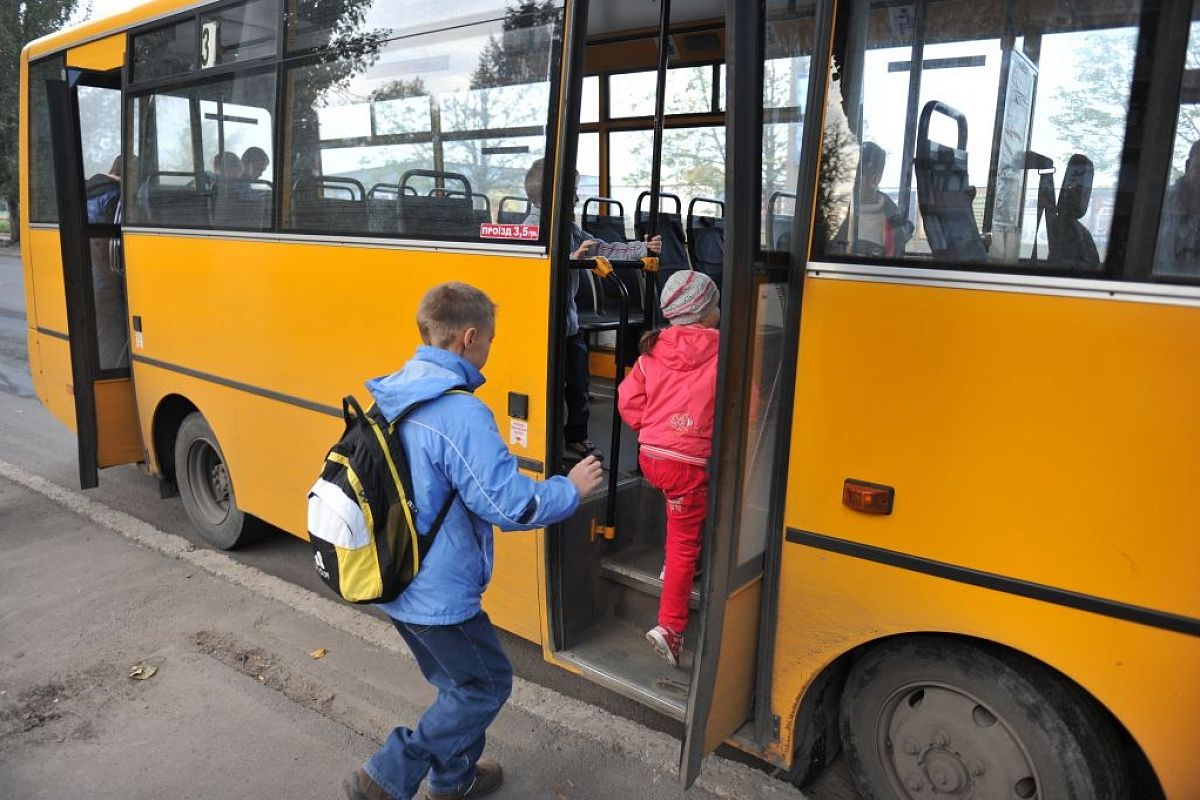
254, 163
103, 192
108, 287
874, 226
1178, 250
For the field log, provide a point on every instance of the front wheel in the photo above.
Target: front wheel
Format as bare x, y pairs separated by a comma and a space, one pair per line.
205, 487
926, 717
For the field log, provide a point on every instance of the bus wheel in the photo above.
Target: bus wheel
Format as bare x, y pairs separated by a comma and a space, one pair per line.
205, 487
926, 717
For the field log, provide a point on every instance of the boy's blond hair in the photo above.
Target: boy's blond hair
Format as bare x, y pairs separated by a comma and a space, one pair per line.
449, 309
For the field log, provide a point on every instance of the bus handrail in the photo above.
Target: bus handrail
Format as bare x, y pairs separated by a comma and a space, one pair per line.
605, 269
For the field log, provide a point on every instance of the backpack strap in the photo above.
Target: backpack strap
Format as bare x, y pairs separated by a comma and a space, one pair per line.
441, 517
350, 404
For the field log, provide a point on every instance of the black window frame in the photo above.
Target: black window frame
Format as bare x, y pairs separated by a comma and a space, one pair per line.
46, 160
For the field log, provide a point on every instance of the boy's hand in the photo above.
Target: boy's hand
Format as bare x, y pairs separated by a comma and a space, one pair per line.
587, 476
584, 250
654, 245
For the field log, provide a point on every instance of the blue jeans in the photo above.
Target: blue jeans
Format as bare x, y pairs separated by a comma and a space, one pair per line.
474, 678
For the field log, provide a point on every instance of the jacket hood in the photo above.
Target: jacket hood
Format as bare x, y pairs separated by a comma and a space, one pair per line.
431, 372
686, 347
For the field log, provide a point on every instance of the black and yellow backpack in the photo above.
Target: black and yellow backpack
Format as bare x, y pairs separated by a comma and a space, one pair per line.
361, 515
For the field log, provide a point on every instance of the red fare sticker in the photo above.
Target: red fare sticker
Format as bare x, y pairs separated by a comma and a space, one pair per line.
495, 230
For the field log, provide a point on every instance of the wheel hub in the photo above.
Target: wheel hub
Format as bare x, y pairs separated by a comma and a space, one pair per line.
939, 742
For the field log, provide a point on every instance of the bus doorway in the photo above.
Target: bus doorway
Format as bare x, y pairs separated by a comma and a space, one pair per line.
659, 127
85, 121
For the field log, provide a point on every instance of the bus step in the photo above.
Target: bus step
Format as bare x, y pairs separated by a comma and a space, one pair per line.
638, 567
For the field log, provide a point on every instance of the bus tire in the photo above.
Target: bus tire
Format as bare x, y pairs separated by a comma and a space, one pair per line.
925, 713
206, 489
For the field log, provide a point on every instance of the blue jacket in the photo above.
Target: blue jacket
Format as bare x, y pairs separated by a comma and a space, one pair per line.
453, 441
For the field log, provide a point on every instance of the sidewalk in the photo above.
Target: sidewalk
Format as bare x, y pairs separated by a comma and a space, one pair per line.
238, 706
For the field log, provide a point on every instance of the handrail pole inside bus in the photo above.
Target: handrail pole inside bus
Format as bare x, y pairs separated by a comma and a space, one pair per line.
615, 442
915, 71
610, 502
660, 96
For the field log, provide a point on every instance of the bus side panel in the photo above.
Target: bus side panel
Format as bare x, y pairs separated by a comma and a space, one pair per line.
1144, 675
1046, 439
50, 363
1021, 432
46, 308
290, 322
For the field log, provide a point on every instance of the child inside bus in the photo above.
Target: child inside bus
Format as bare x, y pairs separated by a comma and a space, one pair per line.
879, 228
578, 445
669, 398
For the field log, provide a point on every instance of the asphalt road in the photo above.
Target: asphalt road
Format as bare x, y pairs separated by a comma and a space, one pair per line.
31, 438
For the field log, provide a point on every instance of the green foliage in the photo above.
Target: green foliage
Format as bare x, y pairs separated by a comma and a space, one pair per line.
21, 21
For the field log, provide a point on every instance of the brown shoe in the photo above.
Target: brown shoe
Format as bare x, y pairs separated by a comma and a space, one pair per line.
488, 777
358, 785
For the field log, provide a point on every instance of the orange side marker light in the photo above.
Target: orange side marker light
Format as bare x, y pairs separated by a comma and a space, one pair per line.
869, 498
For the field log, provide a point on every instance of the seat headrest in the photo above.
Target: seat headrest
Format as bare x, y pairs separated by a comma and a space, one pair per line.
1076, 192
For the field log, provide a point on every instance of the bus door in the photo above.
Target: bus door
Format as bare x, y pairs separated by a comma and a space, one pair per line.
85, 122
771, 154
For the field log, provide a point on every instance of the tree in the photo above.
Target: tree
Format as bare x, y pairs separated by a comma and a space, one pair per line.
21, 21
1094, 108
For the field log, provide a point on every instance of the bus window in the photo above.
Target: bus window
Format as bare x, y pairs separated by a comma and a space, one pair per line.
170, 50
689, 90
190, 146
423, 135
43, 202
999, 152
785, 86
1177, 252
239, 33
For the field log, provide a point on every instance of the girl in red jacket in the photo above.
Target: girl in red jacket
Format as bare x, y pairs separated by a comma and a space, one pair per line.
669, 398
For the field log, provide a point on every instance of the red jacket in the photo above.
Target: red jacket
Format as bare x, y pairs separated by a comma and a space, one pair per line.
670, 395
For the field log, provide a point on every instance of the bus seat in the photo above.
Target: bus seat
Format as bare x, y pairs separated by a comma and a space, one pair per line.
329, 203
608, 227
381, 207
173, 204
589, 305
779, 225
706, 238
480, 213
944, 192
436, 214
674, 256
241, 206
513, 216
1070, 242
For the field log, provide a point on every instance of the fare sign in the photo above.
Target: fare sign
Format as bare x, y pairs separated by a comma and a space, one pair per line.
496, 230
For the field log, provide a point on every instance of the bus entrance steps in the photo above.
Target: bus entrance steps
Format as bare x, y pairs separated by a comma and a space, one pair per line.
616, 654
638, 567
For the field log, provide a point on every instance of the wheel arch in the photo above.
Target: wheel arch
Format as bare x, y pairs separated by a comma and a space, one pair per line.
817, 712
168, 416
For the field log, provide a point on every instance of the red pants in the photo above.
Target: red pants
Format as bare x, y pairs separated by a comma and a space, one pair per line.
685, 487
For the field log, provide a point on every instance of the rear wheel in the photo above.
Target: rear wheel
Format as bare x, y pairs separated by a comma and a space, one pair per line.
927, 717
205, 487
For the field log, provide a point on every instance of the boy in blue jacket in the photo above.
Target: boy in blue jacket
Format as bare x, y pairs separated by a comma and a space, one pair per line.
453, 445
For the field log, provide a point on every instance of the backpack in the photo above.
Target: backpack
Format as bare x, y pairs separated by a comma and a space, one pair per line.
361, 516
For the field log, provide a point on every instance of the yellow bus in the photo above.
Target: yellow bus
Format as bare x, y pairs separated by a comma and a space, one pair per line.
950, 533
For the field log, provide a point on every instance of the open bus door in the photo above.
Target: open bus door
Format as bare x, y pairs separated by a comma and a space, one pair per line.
86, 107
762, 296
